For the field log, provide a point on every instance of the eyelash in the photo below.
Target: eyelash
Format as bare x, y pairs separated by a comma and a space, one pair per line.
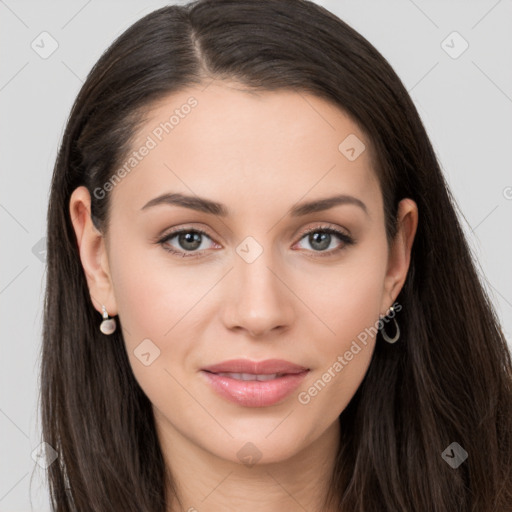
346, 239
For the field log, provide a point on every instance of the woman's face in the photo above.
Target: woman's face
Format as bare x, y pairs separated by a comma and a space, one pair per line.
254, 286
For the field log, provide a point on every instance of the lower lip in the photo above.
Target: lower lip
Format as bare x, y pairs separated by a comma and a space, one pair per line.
255, 393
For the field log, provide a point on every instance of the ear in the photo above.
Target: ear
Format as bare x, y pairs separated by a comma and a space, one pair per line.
400, 253
93, 252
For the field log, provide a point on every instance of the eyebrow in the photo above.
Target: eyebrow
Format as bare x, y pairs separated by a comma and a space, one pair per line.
212, 207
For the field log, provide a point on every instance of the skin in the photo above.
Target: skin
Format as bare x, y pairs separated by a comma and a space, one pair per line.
258, 154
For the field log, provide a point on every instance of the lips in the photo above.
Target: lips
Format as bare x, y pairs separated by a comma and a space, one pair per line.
254, 383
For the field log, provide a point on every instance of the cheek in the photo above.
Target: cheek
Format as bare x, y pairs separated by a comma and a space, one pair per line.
343, 356
151, 295
345, 300
152, 308
348, 307
149, 303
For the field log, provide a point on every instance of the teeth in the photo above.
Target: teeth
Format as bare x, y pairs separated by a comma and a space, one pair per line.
250, 376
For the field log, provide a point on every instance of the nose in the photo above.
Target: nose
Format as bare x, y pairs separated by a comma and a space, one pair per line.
259, 302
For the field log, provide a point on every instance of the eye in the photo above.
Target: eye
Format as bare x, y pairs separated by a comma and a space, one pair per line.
321, 238
188, 240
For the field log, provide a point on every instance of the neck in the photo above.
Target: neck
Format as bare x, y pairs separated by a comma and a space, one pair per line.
203, 481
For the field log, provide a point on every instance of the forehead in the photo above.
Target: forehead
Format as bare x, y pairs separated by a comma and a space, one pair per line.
221, 139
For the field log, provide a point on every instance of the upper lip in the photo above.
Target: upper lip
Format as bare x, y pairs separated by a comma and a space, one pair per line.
267, 367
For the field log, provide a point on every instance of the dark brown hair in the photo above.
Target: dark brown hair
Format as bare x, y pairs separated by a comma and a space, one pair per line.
448, 379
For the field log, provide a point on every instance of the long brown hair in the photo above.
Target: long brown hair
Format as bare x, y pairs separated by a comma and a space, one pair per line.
448, 379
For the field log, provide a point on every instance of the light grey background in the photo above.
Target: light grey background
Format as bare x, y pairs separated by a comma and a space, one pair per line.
465, 103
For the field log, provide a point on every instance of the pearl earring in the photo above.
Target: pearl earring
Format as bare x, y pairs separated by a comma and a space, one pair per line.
108, 326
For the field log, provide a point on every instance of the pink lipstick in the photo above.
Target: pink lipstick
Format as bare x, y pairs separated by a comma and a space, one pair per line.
254, 383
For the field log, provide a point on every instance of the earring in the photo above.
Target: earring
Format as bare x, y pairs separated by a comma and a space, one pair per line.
383, 331
108, 326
